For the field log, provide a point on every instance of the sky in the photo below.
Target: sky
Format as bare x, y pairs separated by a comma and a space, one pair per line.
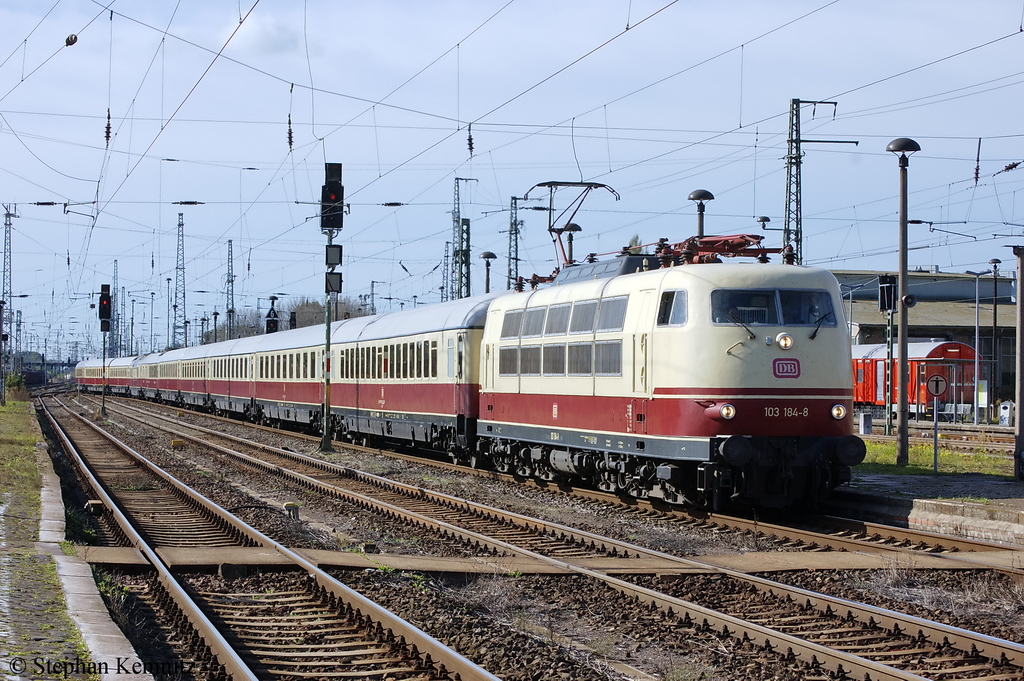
225, 112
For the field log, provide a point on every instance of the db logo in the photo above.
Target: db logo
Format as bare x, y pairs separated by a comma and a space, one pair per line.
786, 368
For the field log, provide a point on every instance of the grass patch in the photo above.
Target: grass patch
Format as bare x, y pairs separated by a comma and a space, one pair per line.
18, 471
881, 458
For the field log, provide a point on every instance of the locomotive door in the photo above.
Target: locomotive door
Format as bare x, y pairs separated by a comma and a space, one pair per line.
642, 345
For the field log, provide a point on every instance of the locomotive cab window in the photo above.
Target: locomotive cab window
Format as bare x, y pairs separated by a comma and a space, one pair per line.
808, 308
772, 308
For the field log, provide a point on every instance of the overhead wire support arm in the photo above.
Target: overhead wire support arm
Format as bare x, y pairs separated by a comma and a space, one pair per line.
574, 206
931, 228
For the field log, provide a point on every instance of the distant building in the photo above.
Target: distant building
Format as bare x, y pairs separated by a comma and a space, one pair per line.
945, 310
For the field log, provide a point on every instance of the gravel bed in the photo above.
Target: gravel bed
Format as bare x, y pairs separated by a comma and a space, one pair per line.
979, 601
496, 618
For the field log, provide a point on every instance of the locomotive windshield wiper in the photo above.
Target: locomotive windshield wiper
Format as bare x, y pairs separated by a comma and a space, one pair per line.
821, 320
731, 316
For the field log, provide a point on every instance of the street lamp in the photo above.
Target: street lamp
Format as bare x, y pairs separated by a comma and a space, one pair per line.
977, 337
700, 196
995, 331
215, 315
903, 146
488, 257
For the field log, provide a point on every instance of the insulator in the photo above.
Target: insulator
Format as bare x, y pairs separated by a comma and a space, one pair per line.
470, 142
108, 127
291, 137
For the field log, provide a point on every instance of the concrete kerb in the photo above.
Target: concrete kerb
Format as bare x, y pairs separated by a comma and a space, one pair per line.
961, 519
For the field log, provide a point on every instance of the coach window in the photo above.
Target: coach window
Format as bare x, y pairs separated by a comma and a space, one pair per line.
581, 359
583, 316
529, 360
305, 365
608, 358
508, 361
612, 314
451, 358
511, 324
533, 322
672, 309
433, 359
558, 320
554, 359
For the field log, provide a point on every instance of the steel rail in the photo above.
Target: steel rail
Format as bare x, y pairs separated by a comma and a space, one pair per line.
960, 639
432, 650
226, 656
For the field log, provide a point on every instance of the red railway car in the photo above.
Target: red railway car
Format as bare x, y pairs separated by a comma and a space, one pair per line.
953, 361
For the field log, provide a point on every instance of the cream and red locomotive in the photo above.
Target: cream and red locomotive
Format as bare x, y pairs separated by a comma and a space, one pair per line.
675, 376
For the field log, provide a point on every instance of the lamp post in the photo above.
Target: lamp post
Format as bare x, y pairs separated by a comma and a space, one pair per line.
903, 146
488, 257
977, 338
152, 318
700, 196
215, 315
995, 331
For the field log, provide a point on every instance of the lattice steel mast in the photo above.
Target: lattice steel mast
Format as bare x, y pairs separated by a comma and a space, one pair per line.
459, 280
513, 243
10, 212
231, 293
792, 229
114, 338
178, 327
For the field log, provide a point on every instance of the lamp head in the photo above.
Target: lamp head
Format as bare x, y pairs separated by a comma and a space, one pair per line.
700, 195
488, 256
903, 145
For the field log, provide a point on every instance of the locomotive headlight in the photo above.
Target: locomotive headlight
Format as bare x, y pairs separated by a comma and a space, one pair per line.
784, 340
838, 412
727, 411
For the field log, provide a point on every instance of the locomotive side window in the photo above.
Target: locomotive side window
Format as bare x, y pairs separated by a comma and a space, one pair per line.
511, 323
612, 314
581, 359
529, 360
583, 317
672, 309
554, 359
558, 320
533, 322
508, 361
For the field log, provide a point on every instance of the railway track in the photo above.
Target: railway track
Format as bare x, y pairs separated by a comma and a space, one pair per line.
840, 636
319, 628
814, 533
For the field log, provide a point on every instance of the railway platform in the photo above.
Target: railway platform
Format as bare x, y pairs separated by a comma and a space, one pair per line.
53, 622
973, 505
